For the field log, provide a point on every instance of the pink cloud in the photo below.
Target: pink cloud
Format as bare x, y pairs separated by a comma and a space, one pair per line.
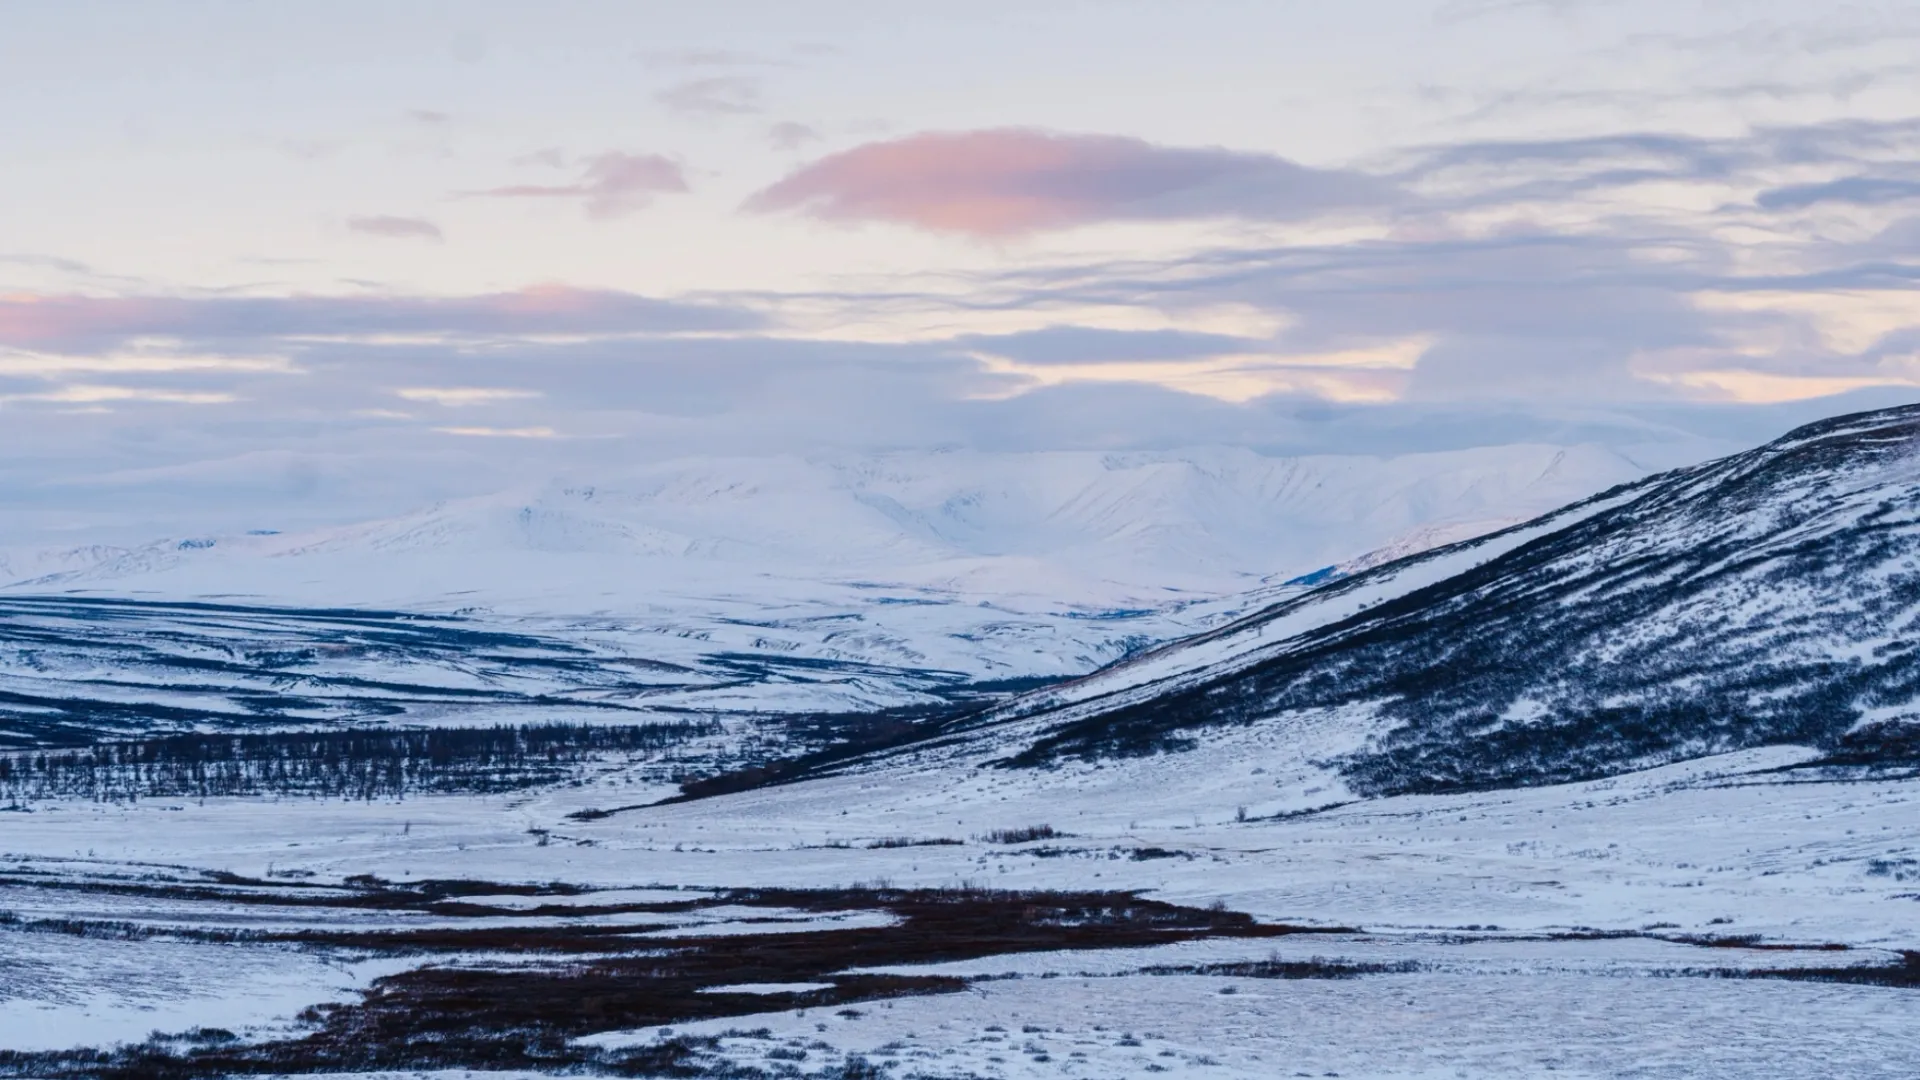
35, 321
1013, 181
612, 184
398, 228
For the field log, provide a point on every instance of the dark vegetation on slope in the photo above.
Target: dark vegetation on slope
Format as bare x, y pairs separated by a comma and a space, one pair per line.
825, 740
1768, 598
86, 669
367, 762
355, 763
814, 744
114, 699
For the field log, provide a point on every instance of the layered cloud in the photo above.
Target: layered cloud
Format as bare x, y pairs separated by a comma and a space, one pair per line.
1013, 181
498, 432
1857, 190
96, 393
1752, 268
1378, 374
1639, 290
87, 323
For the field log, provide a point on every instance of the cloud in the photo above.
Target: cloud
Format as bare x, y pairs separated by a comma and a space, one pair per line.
1378, 374
1460, 11
428, 116
1857, 190
398, 228
1762, 388
552, 157
54, 365
47, 262
703, 58
459, 396
1636, 268
606, 405
612, 184
720, 95
1073, 344
1508, 171
499, 433
1634, 290
1013, 181
90, 324
94, 394
789, 135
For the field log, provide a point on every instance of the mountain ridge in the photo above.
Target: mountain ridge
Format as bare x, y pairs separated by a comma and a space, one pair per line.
1769, 598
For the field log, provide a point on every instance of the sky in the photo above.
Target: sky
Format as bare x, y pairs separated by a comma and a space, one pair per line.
353, 255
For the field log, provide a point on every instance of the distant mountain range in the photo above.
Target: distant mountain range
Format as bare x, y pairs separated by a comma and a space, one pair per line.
1063, 528
733, 585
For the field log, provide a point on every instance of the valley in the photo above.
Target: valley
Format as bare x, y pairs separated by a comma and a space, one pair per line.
1563, 797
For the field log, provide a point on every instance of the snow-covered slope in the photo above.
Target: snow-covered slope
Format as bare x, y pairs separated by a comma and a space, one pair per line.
1770, 598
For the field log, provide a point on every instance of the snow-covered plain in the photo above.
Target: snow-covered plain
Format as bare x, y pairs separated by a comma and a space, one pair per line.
1592, 927
1427, 1026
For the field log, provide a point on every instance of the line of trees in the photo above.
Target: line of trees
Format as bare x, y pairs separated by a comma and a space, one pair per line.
365, 763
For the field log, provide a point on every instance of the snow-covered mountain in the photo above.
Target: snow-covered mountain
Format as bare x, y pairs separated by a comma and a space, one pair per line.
1066, 527
779, 583
1769, 598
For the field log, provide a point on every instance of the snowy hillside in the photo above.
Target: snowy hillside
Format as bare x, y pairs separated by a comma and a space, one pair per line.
1765, 599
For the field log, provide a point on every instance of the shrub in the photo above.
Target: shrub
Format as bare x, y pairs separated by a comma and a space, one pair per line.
1022, 835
